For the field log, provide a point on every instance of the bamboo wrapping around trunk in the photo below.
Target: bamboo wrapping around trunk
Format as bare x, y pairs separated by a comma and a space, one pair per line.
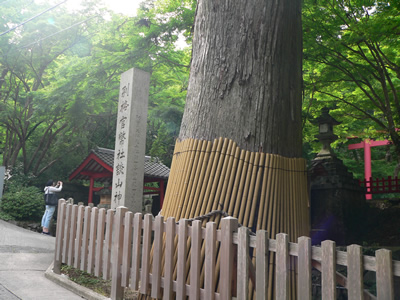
263, 191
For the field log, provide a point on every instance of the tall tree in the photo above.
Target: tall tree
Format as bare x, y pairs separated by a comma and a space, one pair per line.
33, 116
245, 79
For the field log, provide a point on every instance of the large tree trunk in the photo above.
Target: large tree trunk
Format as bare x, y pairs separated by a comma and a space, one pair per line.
245, 80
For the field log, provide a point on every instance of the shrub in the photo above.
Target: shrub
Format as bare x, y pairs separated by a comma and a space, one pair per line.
23, 203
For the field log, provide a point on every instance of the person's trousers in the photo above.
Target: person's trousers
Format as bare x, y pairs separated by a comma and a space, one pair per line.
48, 214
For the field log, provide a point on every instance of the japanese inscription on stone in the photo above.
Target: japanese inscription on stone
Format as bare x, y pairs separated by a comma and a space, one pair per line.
128, 176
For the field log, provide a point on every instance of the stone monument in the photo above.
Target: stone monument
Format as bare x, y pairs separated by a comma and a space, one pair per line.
130, 142
337, 200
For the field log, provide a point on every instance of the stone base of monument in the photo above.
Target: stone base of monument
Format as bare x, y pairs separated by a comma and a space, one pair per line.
337, 202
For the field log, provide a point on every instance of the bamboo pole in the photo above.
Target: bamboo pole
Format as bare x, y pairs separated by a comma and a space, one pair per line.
221, 146
199, 176
219, 162
262, 191
245, 192
256, 198
236, 183
241, 185
183, 156
187, 168
171, 179
203, 179
191, 179
251, 192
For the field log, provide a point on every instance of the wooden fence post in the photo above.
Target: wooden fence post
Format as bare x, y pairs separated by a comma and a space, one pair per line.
211, 252
355, 286
157, 258
127, 249
181, 264
304, 271
229, 225
137, 241
169, 257
195, 264
67, 229
384, 275
59, 236
108, 244
117, 291
282, 266
85, 238
72, 235
144, 276
262, 264
78, 242
243, 263
98, 267
328, 267
92, 239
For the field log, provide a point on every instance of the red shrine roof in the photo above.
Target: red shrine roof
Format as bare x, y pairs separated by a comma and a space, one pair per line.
100, 162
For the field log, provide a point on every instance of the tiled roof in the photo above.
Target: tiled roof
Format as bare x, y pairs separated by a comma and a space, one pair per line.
153, 167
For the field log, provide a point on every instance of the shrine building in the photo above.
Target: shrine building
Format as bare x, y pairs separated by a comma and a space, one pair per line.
98, 167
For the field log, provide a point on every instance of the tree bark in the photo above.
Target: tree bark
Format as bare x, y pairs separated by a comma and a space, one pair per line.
245, 79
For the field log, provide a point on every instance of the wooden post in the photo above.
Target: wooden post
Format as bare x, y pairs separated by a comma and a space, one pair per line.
127, 249
144, 276
85, 239
243, 263
92, 239
67, 230
72, 235
59, 237
137, 240
157, 255
169, 257
384, 274
108, 244
355, 279
100, 242
210, 255
117, 291
229, 225
195, 264
262, 264
328, 267
282, 267
181, 264
78, 242
304, 275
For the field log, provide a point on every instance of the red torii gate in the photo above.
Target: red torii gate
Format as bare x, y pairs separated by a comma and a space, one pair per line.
366, 145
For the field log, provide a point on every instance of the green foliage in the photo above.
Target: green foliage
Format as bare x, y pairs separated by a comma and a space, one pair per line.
58, 96
4, 216
22, 203
351, 65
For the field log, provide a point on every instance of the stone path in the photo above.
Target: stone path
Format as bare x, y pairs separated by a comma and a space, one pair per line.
24, 257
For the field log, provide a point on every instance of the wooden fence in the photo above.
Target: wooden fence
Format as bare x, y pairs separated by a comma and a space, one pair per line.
118, 245
381, 186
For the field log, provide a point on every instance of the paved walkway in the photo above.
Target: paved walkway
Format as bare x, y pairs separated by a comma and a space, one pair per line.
24, 257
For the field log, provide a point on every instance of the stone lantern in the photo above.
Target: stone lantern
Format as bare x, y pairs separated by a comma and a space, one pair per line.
326, 135
105, 196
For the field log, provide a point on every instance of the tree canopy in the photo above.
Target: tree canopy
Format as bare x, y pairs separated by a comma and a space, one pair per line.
59, 76
351, 52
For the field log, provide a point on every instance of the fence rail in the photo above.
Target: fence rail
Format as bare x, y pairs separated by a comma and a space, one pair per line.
381, 186
162, 259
